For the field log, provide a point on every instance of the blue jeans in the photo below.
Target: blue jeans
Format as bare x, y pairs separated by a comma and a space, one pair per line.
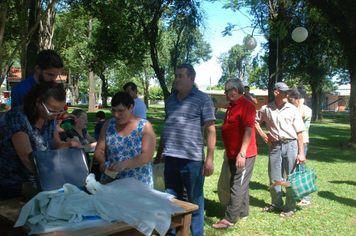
302, 168
180, 174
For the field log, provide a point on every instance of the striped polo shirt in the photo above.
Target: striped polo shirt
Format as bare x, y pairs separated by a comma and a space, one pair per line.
183, 131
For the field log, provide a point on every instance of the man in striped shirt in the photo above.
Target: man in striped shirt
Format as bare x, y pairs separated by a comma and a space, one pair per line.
188, 112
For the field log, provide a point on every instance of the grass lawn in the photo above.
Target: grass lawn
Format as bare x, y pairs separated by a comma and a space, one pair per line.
333, 209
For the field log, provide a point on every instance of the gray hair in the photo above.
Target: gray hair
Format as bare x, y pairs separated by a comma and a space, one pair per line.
236, 83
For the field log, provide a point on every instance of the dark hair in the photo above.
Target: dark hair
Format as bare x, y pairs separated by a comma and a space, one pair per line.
78, 112
247, 87
236, 84
122, 98
42, 91
100, 115
47, 59
189, 67
294, 93
302, 91
132, 84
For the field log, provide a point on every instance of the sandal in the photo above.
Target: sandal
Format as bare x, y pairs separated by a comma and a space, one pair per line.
269, 208
287, 214
222, 225
304, 203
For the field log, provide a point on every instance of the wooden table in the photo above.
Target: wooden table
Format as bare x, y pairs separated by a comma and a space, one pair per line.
10, 211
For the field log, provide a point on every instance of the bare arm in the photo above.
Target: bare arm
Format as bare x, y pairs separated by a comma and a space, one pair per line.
211, 141
148, 145
99, 153
23, 148
240, 162
300, 158
263, 134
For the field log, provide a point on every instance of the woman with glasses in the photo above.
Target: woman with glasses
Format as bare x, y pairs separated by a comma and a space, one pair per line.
126, 143
27, 128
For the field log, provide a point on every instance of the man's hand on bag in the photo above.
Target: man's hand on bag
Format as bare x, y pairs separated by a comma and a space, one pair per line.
301, 159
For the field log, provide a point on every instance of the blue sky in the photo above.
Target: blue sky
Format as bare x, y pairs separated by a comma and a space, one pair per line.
217, 20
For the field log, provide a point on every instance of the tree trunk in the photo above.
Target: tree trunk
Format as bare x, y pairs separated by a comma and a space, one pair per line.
104, 90
317, 92
33, 45
272, 57
352, 105
75, 91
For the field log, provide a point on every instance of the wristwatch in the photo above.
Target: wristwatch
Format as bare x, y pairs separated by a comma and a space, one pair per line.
243, 155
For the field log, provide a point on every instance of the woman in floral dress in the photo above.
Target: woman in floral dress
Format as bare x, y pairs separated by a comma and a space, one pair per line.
128, 143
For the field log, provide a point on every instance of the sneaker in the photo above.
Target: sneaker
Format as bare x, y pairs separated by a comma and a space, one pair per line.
303, 203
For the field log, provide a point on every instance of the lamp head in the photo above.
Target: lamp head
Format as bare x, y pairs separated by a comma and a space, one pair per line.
250, 43
300, 34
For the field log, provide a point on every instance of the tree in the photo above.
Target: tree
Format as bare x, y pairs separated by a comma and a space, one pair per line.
341, 15
233, 63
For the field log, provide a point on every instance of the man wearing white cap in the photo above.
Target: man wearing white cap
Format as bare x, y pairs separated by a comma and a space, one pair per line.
285, 127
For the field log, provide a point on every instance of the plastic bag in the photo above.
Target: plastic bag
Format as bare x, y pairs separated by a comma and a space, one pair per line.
224, 183
158, 177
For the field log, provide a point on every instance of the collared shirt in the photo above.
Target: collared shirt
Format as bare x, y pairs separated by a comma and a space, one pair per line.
239, 115
282, 124
139, 108
182, 133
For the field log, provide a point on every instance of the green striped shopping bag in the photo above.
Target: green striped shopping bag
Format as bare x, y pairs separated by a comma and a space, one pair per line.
303, 183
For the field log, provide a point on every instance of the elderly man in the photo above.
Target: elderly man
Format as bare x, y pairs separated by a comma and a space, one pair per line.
285, 126
239, 138
188, 112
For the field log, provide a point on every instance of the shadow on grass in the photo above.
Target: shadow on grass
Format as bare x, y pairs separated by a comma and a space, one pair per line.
211, 207
257, 185
341, 200
343, 182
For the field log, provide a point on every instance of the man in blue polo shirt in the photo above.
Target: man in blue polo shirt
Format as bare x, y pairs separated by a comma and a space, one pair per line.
188, 112
48, 67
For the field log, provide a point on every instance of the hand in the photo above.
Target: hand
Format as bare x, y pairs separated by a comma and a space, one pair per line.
74, 144
301, 159
118, 166
267, 139
208, 168
240, 162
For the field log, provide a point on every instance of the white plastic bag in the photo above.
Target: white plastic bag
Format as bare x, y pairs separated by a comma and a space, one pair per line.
158, 177
224, 183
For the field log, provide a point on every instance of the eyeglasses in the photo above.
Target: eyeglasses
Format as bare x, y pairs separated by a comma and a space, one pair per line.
228, 90
51, 113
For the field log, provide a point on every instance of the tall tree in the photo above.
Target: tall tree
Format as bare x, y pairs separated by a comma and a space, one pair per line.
341, 14
234, 63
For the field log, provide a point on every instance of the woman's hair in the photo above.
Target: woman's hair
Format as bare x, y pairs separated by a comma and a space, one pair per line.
42, 91
78, 112
122, 98
294, 93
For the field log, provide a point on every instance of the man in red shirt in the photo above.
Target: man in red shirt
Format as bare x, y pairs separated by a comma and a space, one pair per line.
239, 138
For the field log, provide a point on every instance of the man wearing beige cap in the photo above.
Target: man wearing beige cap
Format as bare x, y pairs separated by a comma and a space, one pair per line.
285, 127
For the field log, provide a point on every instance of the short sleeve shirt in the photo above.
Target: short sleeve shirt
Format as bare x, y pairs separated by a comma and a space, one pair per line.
12, 172
139, 108
282, 123
239, 115
182, 133
19, 91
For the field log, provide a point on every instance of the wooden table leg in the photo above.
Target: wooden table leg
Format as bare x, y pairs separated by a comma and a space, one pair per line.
185, 228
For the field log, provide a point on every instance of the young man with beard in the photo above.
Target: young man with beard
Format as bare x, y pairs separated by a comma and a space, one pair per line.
48, 67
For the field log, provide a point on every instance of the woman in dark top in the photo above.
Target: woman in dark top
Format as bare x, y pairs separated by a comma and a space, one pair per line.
79, 131
27, 128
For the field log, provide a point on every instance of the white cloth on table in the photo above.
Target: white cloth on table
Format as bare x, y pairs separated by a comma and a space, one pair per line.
127, 200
